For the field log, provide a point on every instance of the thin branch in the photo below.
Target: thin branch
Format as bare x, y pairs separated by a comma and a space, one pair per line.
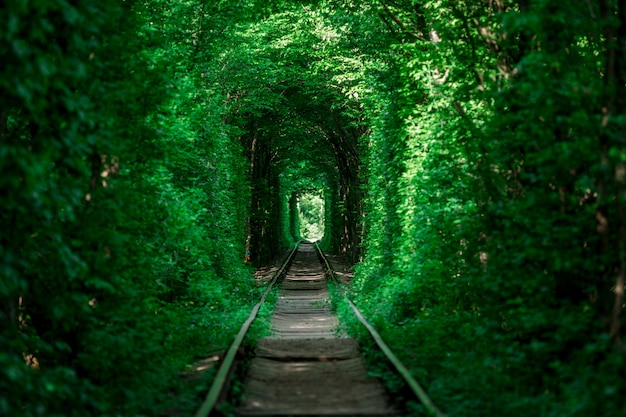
398, 22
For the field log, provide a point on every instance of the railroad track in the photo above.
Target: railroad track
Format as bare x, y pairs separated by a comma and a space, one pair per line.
306, 367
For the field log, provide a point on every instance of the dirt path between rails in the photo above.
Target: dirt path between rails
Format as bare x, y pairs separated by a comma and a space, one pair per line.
307, 368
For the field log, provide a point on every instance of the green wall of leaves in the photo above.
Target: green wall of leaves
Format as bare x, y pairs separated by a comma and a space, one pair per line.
125, 197
493, 248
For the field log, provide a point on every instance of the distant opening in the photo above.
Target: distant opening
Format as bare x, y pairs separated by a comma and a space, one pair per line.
311, 213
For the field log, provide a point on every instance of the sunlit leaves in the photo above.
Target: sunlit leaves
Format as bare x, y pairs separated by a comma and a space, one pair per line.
483, 179
122, 201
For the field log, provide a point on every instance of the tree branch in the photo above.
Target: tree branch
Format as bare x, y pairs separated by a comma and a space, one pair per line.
398, 22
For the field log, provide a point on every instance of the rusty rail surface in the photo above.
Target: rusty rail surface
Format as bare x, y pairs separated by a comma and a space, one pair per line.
402, 370
227, 364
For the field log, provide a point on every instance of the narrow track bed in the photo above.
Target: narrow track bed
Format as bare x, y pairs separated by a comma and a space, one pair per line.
306, 368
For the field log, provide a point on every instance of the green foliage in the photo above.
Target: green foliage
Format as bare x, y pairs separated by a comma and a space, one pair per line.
311, 213
297, 126
124, 207
470, 153
486, 177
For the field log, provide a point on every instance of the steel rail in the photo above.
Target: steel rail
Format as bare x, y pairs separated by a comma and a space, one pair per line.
226, 366
402, 370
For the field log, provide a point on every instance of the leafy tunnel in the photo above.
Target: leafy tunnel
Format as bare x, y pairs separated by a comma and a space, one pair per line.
302, 129
468, 159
